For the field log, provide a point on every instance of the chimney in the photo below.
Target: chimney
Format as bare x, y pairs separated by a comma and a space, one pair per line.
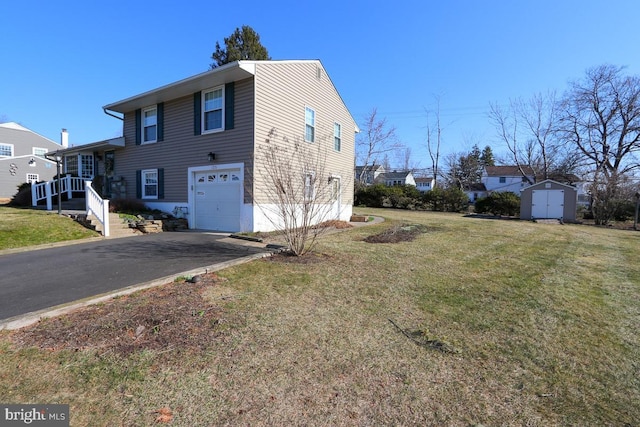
64, 138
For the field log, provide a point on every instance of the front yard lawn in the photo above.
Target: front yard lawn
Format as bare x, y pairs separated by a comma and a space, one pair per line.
474, 321
27, 227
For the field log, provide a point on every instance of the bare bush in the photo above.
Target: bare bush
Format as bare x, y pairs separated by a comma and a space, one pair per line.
298, 192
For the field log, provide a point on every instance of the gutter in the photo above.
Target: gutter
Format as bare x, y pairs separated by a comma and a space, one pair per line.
109, 113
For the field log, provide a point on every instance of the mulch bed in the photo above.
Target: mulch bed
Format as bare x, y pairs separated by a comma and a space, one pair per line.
397, 234
174, 315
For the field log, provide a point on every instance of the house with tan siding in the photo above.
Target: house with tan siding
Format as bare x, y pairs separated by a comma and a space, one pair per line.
195, 147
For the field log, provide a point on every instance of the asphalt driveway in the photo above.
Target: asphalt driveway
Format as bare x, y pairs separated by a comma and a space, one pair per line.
33, 281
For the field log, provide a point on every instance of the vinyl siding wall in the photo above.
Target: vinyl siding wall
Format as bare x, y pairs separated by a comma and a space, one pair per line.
283, 90
181, 149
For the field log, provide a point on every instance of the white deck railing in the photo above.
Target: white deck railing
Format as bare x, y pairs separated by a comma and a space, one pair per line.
97, 207
47, 190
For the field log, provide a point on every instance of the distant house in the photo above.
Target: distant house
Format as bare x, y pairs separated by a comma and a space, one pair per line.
507, 178
424, 184
368, 174
22, 158
510, 178
476, 191
396, 178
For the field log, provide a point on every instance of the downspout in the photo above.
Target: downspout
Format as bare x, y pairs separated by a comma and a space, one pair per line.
108, 113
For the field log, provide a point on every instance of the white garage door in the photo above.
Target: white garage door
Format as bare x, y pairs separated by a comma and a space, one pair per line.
547, 204
217, 200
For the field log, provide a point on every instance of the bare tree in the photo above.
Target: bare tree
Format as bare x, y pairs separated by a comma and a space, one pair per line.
376, 140
601, 117
403, 157
298, 195
434, 147
528, 128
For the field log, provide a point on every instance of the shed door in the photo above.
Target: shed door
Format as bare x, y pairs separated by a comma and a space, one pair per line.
547, 204
217, 200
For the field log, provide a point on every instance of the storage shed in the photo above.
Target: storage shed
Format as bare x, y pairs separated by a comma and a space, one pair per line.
549, 199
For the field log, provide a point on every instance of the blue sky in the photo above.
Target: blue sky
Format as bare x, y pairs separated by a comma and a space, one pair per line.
63, 60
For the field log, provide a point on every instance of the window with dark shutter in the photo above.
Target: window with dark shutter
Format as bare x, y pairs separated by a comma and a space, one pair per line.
229, 95
197, 113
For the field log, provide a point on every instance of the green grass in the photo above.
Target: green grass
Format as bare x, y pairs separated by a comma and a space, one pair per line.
26, 227
539, 323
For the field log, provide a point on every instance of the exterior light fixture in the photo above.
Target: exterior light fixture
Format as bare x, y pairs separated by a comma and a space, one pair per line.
32, 162
211, 156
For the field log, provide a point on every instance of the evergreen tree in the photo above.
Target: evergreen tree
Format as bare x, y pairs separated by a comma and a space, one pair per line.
486, 158
241, 45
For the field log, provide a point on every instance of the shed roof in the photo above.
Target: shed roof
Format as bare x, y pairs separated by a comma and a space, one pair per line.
546, 181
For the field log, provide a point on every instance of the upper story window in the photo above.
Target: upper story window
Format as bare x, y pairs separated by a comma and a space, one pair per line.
149, 125
6, 150
503, 179
40, 152
310, 124
213, 110
337, 136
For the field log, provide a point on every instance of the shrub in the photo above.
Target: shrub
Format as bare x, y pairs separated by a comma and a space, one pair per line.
128, 206
482, 205
372, 196
402, 196
624, 210
23, 197
455, 200
499, 203
446, 200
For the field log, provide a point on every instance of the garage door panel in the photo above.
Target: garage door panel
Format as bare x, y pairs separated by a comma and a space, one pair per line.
217, 201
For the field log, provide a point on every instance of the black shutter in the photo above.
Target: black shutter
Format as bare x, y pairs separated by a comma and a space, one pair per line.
160, 122
139, 184
160, 183
138, 126
197, 113
229, 94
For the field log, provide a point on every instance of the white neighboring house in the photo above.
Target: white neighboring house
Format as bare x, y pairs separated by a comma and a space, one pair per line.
396, 178
425, 184
507, 178
22, 157
500, 179
368, 174
476, 191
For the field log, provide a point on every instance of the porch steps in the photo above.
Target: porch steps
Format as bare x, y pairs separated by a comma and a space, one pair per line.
117, 227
